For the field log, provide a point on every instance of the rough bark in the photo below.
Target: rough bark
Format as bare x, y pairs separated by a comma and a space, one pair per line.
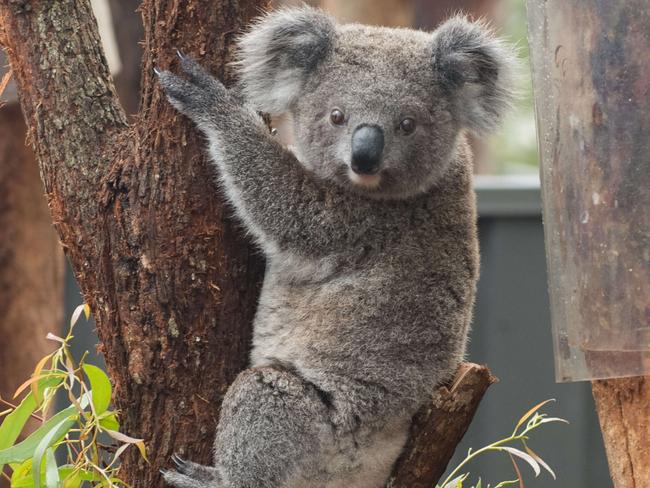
170, 280
624, 419
171, 283
31, 262
439, 427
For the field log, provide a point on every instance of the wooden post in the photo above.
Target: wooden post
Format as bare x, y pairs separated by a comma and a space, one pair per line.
591, 77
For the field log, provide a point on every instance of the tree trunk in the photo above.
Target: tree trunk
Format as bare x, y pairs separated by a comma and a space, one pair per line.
31, 263
624, 419
171, 282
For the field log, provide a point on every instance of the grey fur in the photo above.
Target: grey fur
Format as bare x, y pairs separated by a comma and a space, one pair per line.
369, 288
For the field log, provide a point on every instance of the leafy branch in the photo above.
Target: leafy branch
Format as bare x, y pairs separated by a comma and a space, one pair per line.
72, 433
529, 422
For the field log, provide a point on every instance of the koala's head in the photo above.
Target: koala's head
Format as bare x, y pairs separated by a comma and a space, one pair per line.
376, 110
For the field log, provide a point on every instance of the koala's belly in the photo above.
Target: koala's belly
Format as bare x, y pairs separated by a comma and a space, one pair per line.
385, 326
288, 318
368, 465
305, 306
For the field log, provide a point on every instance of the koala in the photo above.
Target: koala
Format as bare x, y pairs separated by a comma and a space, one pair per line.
368, 226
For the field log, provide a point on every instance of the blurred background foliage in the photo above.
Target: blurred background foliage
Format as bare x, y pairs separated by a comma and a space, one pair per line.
513, 150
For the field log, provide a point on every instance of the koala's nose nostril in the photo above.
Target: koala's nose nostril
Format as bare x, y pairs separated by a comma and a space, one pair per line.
367, 148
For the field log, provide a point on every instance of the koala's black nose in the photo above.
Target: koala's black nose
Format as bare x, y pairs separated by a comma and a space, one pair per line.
367, 147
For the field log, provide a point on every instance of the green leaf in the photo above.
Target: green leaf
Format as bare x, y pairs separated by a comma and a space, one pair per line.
25, 449
52, 479
457, 482
100, 386
22, 475
108, 420
13, 423
73, 477
503, 484
27, 482
50, 438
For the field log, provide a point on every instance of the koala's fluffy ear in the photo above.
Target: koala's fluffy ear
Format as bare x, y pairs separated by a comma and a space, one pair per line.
278, 52
476, 69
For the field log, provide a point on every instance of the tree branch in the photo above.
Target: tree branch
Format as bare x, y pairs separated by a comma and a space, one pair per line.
439, 427
65, 87
70, 107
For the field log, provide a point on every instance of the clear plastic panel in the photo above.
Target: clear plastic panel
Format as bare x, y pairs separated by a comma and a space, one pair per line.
591, 78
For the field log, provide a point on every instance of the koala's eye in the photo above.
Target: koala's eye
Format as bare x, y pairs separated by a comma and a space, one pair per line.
407, 125
337, 117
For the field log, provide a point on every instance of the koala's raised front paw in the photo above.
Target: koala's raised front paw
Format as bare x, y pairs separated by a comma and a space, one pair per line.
197, 95
192, 475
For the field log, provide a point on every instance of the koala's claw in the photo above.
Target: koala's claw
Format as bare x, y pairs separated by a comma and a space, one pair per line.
198, 75
180, 54
179, 462
199, 95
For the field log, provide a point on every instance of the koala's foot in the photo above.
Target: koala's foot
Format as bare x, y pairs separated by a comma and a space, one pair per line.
199, 95
192, 475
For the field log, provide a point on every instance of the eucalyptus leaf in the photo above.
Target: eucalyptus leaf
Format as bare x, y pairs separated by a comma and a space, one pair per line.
108, 420
22, 475
52, 478
49, 439
522, 455
25, 449
100, 386
73, 477
13, 424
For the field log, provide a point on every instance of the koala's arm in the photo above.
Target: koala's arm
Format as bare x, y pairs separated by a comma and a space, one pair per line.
280, 203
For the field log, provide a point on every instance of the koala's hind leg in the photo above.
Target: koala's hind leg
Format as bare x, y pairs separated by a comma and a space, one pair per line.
273, 430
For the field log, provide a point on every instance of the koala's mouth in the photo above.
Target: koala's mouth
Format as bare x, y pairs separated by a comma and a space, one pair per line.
369, 181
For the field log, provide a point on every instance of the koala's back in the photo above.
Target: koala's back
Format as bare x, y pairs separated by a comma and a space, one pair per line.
383, 321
